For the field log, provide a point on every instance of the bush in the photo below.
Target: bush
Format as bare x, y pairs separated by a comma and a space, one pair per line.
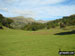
6, 22
34, 26
1, 26
62, 25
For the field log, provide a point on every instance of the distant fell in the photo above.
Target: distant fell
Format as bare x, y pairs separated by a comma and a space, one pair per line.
26, 20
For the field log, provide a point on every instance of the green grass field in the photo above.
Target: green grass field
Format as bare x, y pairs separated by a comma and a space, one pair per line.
34, 43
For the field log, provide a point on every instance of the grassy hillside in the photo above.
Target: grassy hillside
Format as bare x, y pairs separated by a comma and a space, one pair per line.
35, 43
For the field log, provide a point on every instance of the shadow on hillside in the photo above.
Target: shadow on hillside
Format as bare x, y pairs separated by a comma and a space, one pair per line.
66, 33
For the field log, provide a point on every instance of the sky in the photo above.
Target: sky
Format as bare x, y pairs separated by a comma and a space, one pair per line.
37, 9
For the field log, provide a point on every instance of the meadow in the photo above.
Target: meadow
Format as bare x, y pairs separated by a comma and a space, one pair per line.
35, 43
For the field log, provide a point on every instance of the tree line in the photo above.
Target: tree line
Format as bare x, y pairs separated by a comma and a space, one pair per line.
63, 22
5, 21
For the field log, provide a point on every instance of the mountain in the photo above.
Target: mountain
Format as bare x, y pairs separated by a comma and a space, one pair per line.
41, 21
22, 19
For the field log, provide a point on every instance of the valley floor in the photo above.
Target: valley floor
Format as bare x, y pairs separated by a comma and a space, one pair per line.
35, 43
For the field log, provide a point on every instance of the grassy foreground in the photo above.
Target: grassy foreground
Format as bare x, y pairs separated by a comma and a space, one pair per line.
38, 43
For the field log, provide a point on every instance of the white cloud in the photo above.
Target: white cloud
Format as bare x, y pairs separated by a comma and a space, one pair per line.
9, 1
33, 2
54, 11
4, 9
38, 8
37, 1
26, 13
51, 1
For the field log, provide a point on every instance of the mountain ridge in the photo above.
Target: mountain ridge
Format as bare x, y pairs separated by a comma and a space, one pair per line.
26, 19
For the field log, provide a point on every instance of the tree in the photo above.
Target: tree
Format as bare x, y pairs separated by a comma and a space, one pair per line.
6, 22
1, 18
62, 25
1, 26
